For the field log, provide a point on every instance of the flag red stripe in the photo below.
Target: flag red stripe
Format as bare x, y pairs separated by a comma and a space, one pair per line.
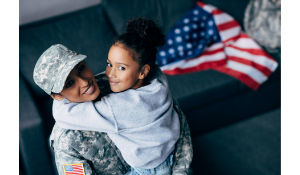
211, 52
259, 67
244, 78
77, 169
200, 67
231, 39
201, 4
74, 172
243, 35
258, 52
227, 25
68, 173
217, 12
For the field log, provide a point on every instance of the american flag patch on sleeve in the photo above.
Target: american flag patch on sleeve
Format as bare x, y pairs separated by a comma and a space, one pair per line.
74, 169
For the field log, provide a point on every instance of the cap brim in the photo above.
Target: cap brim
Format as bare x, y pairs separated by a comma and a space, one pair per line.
61, 78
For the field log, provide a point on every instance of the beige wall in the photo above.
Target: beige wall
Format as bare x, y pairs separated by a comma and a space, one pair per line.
35, 10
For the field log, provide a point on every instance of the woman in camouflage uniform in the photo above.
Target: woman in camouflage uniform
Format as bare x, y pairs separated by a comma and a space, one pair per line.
95, 150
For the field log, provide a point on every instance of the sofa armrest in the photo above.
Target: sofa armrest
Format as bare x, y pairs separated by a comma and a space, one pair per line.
32, 141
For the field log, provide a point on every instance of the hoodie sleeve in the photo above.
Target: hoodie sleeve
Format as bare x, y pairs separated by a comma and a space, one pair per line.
85, 116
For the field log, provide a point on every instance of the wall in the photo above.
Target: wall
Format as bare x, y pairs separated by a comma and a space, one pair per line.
35, 10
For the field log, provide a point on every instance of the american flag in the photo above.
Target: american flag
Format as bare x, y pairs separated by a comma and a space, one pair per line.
207, 38
74, 169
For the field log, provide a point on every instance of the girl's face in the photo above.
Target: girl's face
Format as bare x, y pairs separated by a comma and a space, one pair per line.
80, 85
122, 71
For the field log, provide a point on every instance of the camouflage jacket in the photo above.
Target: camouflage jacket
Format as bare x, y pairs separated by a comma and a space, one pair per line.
262, 21
98, 153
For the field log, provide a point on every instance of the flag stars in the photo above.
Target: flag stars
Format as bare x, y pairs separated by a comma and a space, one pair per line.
186, 20
186, 28
190, 52
202, 24
164, 61
171, 51
215, 37
200, 46
178, 39
210, 32
195, 26
181, 53
202, 33
196, 12
187, 37
195, 19
177, 31
170, 42
162, 53
180, 48
189, 45
210, 23
204, 17
195, 35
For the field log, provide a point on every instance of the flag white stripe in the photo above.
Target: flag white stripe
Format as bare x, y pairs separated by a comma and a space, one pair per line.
230, 33
209, 8
213, 47
255, 74
194, 62
261, 60
246, 43
222, 18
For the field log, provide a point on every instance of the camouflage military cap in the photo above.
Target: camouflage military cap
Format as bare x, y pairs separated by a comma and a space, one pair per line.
53, 67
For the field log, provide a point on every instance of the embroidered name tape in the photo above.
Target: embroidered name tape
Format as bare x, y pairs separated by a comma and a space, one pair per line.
73, 169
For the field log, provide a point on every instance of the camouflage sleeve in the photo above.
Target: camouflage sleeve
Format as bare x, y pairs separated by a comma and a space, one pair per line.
65, 153
184, 153
71, 156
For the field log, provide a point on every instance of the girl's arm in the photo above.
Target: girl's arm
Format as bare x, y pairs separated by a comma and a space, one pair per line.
85, 116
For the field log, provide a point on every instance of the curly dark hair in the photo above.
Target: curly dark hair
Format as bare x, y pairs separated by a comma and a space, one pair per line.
141, 38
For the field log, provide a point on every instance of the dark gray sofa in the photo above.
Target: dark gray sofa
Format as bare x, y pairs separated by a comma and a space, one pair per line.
209, 99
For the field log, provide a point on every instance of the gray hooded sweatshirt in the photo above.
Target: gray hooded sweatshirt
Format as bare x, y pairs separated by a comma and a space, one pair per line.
142, 123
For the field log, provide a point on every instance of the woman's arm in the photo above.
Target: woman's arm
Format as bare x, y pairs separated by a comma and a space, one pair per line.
184, 153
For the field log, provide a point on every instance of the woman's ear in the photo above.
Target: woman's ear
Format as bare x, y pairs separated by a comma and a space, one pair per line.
57, 97
144, 71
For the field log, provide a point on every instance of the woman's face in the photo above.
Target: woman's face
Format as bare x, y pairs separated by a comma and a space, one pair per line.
80, 85
122, 71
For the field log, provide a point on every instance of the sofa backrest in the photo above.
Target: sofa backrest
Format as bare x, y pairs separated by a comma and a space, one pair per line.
169, 11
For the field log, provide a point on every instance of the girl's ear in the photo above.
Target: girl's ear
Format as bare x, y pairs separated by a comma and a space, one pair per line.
144, 71
57, 97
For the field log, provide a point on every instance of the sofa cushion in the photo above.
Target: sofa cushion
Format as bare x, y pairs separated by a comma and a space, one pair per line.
249, 147
238, 107
87, 32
